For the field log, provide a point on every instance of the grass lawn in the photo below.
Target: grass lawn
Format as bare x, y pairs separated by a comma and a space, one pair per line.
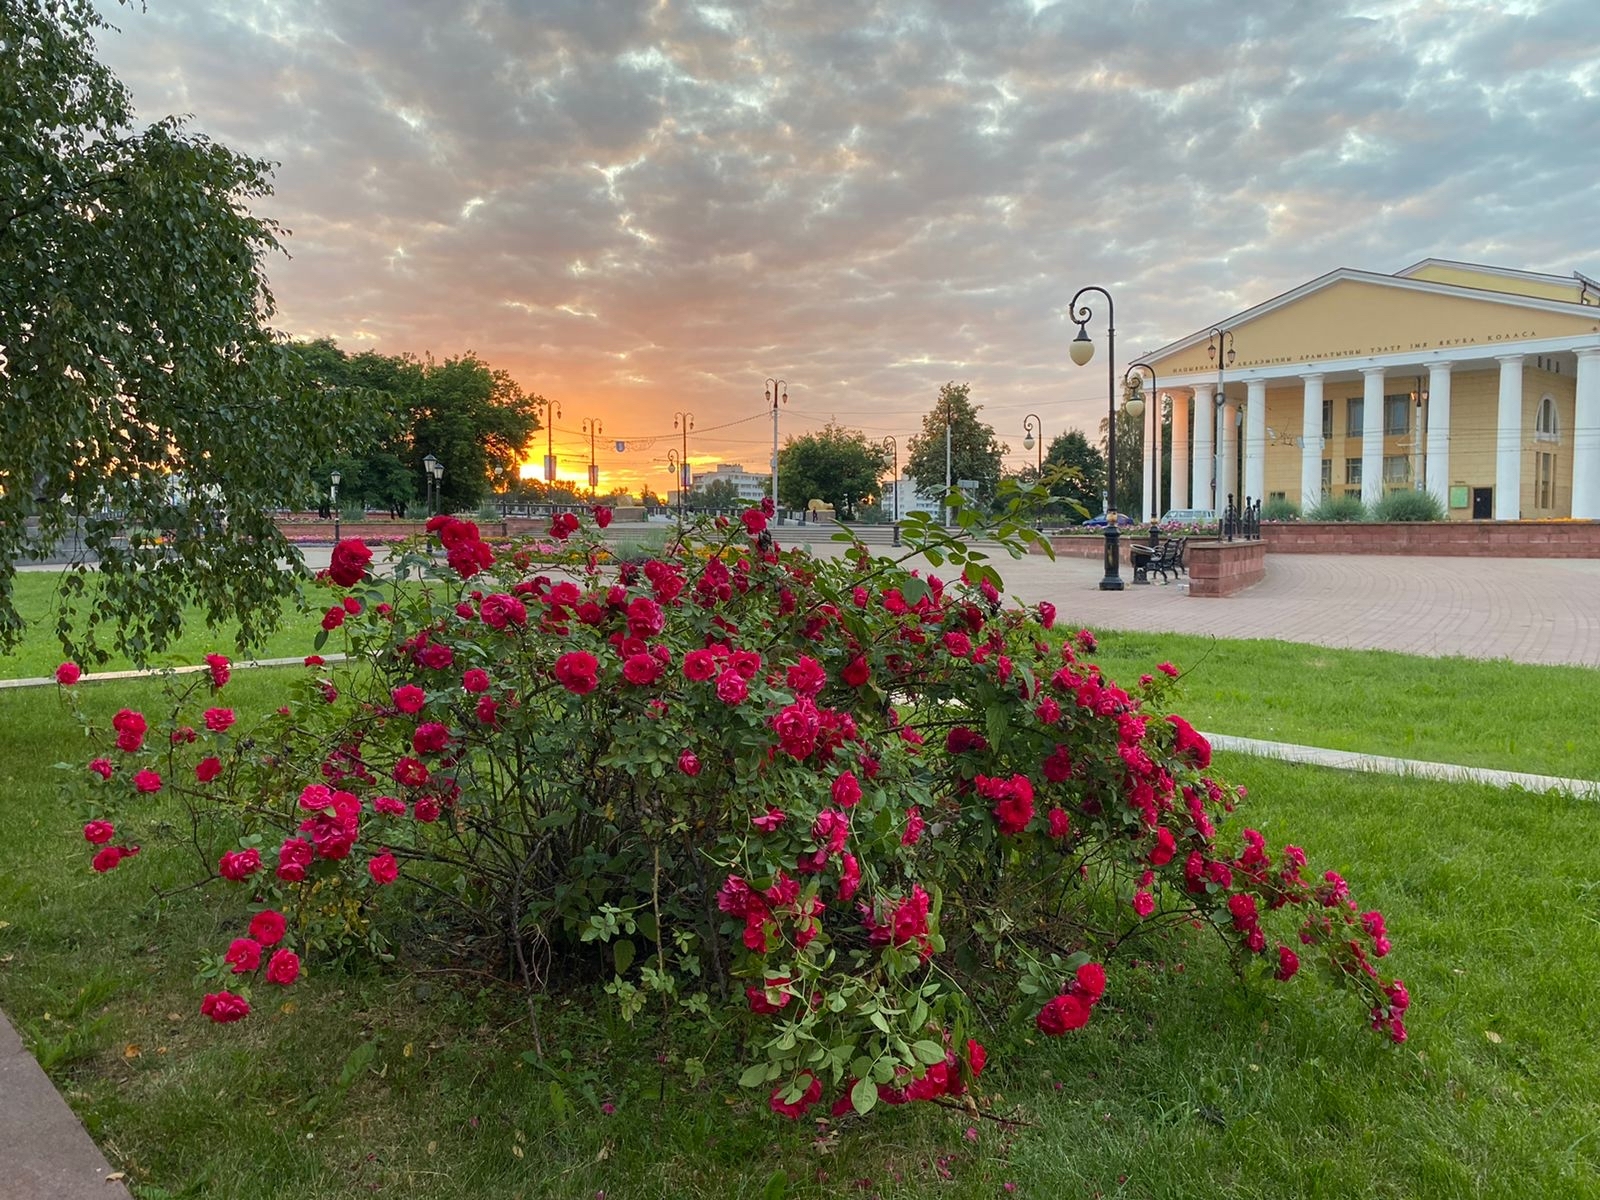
1183, 1085
1477, 712
40, 653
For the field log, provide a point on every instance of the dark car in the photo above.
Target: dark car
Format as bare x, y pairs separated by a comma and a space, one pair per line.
1124, 521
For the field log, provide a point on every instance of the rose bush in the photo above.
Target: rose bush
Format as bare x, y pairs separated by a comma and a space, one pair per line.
832, 803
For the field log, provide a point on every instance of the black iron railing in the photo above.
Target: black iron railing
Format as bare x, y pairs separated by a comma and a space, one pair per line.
1242, 523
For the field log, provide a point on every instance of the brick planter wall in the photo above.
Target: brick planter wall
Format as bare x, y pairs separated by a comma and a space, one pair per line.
1223, 568
1477, 539
1078, 546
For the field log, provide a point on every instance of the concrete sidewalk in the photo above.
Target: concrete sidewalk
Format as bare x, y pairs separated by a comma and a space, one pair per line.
44, 1152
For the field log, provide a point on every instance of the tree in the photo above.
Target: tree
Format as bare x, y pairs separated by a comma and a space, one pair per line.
975, 453
1083, 470
1130, 461
836, 465
649, 498
142, 390
719, 493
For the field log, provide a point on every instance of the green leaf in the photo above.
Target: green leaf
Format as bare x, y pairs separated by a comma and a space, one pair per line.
777, 1186
622, 953
914, 590
321, 640
863, 1096
927, 1052
754, 1075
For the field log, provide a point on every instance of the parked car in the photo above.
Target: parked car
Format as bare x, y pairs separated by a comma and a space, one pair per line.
1190, 516
1124, 521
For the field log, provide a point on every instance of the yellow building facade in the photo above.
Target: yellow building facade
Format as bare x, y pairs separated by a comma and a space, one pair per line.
1479, 384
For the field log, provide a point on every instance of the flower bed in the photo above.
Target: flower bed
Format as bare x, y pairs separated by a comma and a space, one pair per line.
830, 807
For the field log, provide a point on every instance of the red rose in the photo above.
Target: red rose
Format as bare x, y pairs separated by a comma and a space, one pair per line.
645, 618
349, 563
389, 806
755, 521
101, 767
857, 673
1143, 902
1047, 614
1090, 982
795, 1109
208, 769
1288, 964
130, 727
731, 687
427, 809
239, 865
475, 680
602, 515
223, 1007
500, 610
1061, 1014
408, 698
111, 856
1189, 744
98, 833
846, 790
430, 738
268, 927
563, 526
68, 673
244, 954
699, 665
283, 968
578, 672
333, 618
294, 856
314, 660
219, 719
221, 670
641, 670
488, 711
383, 868
689, 763
147, 781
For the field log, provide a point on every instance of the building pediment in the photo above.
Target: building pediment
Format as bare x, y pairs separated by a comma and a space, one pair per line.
1359, 315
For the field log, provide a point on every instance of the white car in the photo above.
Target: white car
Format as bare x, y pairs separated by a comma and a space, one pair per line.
1190, 516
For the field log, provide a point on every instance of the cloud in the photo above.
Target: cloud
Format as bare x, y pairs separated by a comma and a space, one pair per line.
642, 207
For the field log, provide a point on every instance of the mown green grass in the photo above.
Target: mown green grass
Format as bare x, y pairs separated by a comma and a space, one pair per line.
1477, 712
37, 600
1184, 1084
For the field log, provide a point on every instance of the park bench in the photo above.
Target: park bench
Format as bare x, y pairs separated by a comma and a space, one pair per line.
1168, 559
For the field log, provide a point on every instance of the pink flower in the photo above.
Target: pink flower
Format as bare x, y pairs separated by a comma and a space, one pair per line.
244, 954
796, 1109
1062, 1014
223, 1007
389, 806
1288, 964
689, 763
221, 671
1089, 981
755, 521
849, 876
646, 618
475, 680
1059, 821
383, 868
602, 515
207, 769
641, 670
769, 820
98, 833
239, 865
500, 610
147, 781
1190, 744
431, 737
294, 856
111, 856
349, 563
699, 665
268, 927
101, 767
1143, 902
915, 824
1047, 614
283, 968
408, 698
731, 687
219, 719
68, 673
847, 790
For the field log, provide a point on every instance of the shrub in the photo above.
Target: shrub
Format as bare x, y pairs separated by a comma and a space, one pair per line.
1279, 509
1408, 505
831, 808
1337, 508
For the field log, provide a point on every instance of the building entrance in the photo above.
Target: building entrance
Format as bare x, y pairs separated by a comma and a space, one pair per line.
1482, 503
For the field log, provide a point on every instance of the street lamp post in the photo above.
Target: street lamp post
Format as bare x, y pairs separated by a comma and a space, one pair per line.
591, 426
429, 462
438, 484
333, 501
1081, 351
1133, 386
893, 447
1033, 436
552, 410
1219, 345
774, 387
684, 421
672, 465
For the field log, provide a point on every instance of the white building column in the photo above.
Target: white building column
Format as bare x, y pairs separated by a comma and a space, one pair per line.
1180, 452
1205, 455
1372, 435
1436, 469
1311, 444
1228, 485
1152, 403
1255, 440
1155, 479
1586, 437
1508, 441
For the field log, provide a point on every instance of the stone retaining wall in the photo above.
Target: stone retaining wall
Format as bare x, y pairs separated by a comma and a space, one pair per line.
1223, 568
1454, 539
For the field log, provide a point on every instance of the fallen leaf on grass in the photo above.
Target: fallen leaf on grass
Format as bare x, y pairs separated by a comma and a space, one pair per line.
1492, 1036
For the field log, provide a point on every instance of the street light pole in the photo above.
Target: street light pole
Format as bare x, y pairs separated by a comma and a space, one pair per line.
1081, 351
672, 465
774, 386
591, 426
893, 447
429, 462
685, 422
438, 484
552, 409
1219, 345
1133, 384
1033, 435
333, 501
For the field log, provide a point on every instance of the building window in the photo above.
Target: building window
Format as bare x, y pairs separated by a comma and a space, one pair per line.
1544, 480
1327, 420
1327, 476
1277, 496
1352, 471
1353, 415
1396, 415
1396, 471
1546, 425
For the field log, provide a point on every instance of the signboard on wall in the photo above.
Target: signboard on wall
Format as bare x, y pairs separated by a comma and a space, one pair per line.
1458, 495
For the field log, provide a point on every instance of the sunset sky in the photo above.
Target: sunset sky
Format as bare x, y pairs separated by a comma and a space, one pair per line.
644, 206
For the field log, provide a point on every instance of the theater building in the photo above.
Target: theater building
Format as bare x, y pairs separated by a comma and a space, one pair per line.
1480, 384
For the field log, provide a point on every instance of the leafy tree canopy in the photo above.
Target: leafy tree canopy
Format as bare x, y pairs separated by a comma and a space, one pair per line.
975, 452
1081, 471
719, 493
142, 390
1130, 461
836, 465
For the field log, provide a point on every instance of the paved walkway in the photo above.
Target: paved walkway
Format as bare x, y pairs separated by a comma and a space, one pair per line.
44, 1152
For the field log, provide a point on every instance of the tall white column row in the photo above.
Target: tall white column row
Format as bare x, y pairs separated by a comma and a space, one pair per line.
1586, 438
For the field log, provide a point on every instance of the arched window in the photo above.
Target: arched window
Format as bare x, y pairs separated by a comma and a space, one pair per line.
1546, 426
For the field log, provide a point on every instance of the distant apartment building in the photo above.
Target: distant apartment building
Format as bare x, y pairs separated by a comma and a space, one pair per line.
751, 487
